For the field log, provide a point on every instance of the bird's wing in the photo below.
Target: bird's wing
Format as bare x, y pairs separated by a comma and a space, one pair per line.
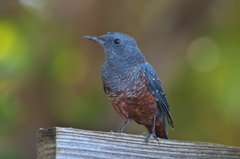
104, 88
155, 87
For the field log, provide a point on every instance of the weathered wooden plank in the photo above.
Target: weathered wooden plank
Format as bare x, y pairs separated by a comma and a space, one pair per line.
64, 143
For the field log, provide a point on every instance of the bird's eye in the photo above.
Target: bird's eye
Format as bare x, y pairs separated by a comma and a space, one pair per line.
116, 41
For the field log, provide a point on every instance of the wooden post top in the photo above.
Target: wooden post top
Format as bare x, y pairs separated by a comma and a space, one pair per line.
70, 143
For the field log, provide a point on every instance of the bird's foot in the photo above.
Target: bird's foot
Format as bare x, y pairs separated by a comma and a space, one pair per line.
120, 131
149, 136
115, 131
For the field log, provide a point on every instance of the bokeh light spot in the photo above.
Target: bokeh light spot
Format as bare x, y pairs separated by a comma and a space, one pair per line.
7, 40
203, 54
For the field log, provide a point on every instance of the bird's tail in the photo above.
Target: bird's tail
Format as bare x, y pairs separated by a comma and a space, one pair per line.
160, 129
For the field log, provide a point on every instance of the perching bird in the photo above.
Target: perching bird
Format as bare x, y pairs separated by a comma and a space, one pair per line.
132, 84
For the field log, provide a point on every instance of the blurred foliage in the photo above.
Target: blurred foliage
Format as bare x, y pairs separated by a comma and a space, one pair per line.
49, 75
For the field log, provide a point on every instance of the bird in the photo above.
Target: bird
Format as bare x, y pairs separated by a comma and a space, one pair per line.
132, 85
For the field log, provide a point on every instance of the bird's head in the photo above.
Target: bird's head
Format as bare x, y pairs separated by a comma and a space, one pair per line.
118, 47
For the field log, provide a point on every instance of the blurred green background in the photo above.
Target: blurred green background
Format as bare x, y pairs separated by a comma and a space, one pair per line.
49, 74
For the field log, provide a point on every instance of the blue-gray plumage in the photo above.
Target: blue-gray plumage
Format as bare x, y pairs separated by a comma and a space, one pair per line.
132, 84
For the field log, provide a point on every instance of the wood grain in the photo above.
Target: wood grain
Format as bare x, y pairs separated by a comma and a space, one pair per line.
66, 143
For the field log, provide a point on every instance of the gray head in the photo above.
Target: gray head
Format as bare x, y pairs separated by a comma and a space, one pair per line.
119, 47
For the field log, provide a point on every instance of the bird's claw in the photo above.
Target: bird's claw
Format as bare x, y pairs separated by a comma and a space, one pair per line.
149, 136
119, 131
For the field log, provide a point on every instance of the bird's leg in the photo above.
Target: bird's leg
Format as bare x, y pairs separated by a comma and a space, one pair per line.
125, 124
153, 132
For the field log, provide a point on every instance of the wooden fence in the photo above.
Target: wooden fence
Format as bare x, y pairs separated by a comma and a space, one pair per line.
70, 143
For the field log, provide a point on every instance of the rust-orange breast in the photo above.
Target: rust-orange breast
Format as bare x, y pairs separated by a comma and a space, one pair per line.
139, 105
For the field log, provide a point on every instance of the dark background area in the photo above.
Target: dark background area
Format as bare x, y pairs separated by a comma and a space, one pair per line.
49, 74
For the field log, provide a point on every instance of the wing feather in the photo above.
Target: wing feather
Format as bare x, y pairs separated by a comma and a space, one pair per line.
155, 87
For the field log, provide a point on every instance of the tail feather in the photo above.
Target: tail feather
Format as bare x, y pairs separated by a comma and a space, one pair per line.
160, 129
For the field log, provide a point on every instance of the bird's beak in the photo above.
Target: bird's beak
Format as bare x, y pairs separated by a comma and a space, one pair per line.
95, 39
